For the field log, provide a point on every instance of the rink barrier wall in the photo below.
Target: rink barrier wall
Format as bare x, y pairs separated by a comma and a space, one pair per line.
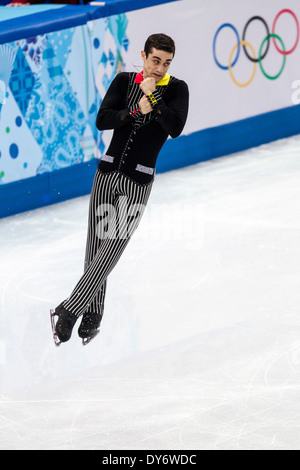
77, 180
68, 16
48, 188
198, 146
229, 138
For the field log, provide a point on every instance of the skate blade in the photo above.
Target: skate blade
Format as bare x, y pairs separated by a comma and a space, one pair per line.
87, 341
57, 342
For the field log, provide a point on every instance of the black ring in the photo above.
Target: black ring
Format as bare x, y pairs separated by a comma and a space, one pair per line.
259, 18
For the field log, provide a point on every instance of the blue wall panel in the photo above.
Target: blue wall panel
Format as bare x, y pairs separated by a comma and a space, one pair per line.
77, 180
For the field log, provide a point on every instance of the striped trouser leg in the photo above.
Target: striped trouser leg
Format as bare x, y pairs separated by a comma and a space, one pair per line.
101, 192
120, 204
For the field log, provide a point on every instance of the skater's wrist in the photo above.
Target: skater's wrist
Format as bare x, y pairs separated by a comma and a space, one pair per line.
154, 98
135, 111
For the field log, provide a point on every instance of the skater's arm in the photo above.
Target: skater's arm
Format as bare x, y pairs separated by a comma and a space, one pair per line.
173, 115
113, 113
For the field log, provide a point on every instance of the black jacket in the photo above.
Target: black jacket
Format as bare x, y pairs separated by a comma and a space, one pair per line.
138, 139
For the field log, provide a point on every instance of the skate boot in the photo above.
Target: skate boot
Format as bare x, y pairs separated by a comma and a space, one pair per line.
90, 327
62, 330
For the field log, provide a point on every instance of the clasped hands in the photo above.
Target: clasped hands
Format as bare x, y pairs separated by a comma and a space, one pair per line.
147, 86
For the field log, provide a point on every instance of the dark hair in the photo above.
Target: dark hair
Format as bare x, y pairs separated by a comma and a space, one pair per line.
161, 42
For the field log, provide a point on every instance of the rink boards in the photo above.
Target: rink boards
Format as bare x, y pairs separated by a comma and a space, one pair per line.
57, 63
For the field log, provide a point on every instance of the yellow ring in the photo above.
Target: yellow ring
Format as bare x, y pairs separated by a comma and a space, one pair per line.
242, 85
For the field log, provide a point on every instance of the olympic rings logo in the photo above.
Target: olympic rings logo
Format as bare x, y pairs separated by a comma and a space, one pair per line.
254, 58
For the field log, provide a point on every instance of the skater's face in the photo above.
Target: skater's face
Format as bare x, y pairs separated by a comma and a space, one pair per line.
157, 64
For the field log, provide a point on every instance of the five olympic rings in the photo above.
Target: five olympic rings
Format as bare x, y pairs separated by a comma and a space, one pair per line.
262, 53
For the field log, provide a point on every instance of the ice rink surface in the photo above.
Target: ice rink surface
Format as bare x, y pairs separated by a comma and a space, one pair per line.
200, 342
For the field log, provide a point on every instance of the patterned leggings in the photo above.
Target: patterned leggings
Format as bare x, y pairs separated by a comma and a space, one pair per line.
116, 206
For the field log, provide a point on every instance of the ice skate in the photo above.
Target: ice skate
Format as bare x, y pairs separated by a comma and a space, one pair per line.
53, 325
62, 329
90, 327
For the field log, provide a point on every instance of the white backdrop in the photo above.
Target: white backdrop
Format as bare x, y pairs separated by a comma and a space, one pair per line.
215, 98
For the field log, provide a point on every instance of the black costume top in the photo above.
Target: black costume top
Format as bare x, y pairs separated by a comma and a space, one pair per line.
137, 138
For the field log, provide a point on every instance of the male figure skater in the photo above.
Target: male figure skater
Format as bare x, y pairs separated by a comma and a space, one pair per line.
143, 109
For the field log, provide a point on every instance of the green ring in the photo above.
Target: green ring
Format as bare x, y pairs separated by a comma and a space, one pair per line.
260, 56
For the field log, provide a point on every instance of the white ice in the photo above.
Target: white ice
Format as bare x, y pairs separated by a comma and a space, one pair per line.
200, 343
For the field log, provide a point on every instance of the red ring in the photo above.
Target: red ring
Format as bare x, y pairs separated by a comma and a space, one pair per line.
298, 31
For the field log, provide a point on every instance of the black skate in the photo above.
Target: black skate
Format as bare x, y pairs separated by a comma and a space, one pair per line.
62, 329
90, 327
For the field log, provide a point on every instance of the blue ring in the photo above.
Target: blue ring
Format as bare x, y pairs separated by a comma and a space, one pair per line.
227, 25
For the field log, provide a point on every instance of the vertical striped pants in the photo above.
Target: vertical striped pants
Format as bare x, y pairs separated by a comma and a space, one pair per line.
116, 206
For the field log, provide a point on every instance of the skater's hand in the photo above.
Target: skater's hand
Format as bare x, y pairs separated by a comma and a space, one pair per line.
148, 86
145, 105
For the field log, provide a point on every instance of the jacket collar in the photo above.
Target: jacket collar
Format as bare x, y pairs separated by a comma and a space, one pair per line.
163, 82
